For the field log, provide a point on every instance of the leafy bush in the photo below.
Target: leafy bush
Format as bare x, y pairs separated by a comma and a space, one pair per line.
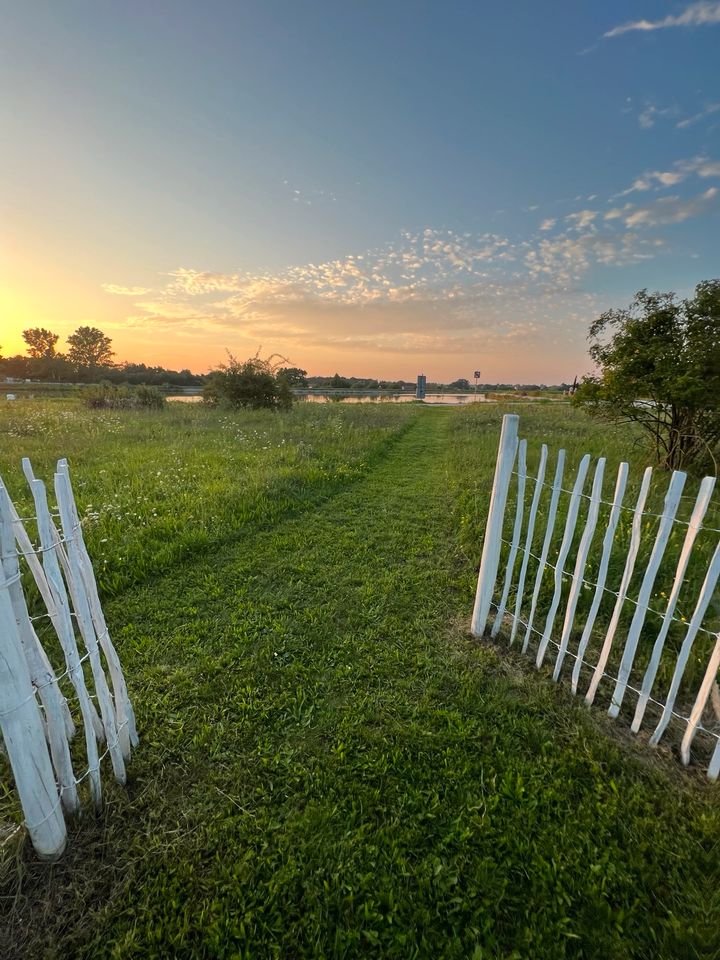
255, 383
659, 367
109, 396
150, 398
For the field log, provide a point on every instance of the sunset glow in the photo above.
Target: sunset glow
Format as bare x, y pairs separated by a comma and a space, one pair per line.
374, 189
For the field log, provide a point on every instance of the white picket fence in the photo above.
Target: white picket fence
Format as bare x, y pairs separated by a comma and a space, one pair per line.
628, 670
39, 707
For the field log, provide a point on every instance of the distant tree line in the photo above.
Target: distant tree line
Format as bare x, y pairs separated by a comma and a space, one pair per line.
89, 353
88, 359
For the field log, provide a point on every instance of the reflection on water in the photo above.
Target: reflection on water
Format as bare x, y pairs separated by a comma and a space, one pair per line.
431, 398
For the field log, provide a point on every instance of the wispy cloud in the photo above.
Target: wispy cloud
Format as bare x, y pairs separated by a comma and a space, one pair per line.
125, 291
308, 197
665, 210
433, 290
581, 220
707, 111
704, 13
681, 170
648, 117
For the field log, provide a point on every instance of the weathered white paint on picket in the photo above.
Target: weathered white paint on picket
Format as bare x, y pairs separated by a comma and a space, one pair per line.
529, 538
24, 738
521, 475
672, 502
552, 513
701, 506
708, 690
87, 631
50, 544
608, 542
35, 719
126, 717
624, 584
570, 522
580, 562
496, 514
42, 677
705, 596
696, 713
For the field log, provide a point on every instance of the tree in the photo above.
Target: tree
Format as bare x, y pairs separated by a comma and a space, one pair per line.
89, 347
293, 376
253, 383
40, 343
659, 367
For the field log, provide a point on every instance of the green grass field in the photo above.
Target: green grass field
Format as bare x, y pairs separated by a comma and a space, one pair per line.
330, 766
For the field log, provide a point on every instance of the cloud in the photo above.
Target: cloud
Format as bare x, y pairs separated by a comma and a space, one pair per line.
565, 259
581, 220
704, 13
665, 210
648, 116
308, 197
660, 179
707, 111
125, 291
431, 290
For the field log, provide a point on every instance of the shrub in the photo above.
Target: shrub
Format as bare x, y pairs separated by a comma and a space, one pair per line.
150, 398
255, 383
108, 396
659, 367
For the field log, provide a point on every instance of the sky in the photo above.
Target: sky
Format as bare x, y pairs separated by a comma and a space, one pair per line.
378, 188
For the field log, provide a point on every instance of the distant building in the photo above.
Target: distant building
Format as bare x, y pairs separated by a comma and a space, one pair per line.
421, 384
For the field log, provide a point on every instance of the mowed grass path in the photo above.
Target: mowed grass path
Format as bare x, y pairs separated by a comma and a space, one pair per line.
330, 767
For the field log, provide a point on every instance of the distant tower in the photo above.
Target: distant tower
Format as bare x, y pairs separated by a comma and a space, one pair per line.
420, 391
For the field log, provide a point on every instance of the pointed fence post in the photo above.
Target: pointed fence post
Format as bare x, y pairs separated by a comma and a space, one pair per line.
22, 731
493, 530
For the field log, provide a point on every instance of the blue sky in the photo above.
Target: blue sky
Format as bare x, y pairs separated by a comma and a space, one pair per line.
378, 188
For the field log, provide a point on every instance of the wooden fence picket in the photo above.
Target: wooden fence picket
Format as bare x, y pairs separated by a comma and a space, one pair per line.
125, 714
574, 612
705, 596
529, 539
608, 542
672, 502
496, 513
49, 541
522, 471
42, 676
581, 561
599, 671
35, 717
698, 515
549, 528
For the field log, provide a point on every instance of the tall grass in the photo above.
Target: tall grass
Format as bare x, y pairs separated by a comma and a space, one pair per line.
579, 434
156, 487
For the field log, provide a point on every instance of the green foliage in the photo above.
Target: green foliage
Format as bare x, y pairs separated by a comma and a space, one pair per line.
89, 347
293, 376
461, 385
40, 342
659, 363
109, 396
254, 384
329, 766
150, 398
